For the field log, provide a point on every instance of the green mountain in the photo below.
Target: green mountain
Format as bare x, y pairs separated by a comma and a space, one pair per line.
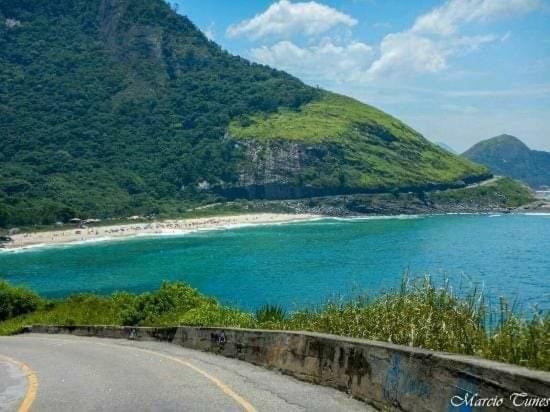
116, 107
507, 155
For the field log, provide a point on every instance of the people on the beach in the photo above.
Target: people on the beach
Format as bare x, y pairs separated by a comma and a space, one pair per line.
152, 228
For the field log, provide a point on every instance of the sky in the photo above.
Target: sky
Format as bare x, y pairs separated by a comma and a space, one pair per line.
458, 71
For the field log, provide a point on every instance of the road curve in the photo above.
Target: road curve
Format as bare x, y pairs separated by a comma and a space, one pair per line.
67, 373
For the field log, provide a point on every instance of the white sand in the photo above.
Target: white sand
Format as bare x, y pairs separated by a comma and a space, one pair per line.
166, 227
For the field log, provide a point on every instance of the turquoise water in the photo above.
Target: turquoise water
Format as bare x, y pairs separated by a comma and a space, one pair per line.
305, 263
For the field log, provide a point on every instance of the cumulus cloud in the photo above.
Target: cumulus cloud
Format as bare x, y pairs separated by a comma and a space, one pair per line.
326, 60
426, 47
445, 20
410, 53
434, 37
468, 44
284, 19
407, 51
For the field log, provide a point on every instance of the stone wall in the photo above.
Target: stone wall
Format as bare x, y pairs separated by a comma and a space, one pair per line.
389, 377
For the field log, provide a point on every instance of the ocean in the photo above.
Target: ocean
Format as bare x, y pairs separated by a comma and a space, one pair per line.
304, 264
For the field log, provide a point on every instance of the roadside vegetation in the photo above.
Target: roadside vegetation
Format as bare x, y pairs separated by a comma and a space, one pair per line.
419, 314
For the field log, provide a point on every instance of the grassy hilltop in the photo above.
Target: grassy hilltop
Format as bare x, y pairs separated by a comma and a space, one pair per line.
110, 108
378, 150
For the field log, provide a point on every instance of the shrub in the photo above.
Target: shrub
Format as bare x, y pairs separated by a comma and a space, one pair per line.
150, 308
16, 301
419, 314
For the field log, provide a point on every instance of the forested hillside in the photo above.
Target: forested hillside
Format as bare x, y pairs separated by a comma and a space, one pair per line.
110, 108
507, 155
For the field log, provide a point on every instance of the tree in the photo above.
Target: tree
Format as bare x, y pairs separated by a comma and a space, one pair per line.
4, 216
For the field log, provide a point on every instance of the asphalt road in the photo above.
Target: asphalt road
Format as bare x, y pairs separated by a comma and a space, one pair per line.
67, 373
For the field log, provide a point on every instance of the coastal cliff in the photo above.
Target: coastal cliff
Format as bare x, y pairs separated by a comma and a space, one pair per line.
498, 195
114, 108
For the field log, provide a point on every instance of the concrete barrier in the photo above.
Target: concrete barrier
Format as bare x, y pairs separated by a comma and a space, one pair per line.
389, 377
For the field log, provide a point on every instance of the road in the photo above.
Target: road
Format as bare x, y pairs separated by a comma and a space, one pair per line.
487, 182
67, 373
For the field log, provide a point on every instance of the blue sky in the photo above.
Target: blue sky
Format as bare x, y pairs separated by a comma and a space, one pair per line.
458, 70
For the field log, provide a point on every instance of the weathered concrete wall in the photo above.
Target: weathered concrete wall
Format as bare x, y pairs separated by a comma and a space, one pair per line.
390, 377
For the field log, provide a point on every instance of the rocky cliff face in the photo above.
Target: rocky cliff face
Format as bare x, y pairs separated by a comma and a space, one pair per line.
277, 169
336, 145
279, 162
283, 169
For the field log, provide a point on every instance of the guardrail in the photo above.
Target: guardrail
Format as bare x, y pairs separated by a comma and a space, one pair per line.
387, 376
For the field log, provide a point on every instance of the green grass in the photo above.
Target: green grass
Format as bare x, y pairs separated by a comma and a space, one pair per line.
371, 149
423, 315
418, 314
504, 192
270, 313
333, 118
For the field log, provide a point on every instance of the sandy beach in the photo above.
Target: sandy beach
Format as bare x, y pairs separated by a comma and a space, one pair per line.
165, 227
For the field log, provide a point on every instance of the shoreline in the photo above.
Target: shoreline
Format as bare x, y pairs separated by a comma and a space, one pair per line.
171, 227
182, 227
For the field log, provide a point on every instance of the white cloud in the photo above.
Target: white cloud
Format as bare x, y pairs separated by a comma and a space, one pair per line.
427, 47
285, 19
468, 44
434, 37
445, 20
325, 60
409, 52
210, 31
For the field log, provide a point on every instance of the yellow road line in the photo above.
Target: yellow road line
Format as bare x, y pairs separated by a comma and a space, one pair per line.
32, 383
247, 406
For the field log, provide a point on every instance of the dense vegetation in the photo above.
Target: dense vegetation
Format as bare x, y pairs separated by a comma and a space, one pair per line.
508, 156
418, 314
501, 192
110, 108
17, 301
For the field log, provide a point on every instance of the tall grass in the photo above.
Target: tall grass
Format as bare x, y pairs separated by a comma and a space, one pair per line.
419, 313
270, 313
424, 315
